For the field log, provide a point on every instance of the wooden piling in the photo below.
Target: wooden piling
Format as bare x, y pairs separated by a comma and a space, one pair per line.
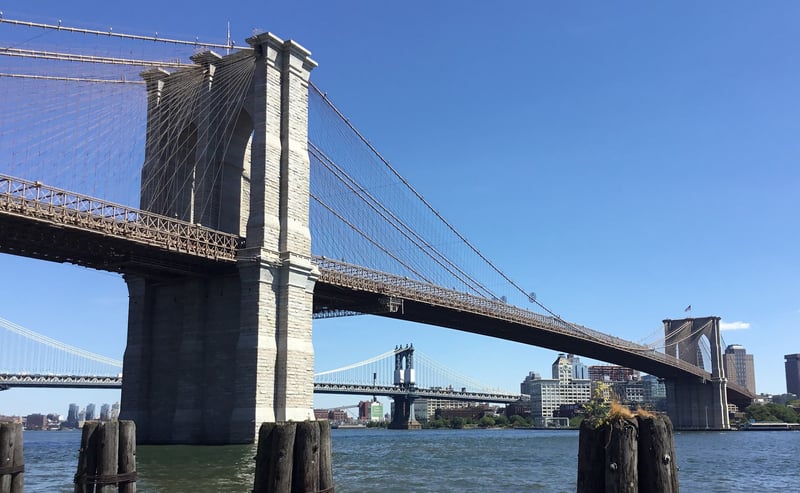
658, 469
627, 454
274, 457
108, 457
622, 452
127, 456
305, 470
106, 462
87, 458
591, 457
294, 457
325, 458
12, 463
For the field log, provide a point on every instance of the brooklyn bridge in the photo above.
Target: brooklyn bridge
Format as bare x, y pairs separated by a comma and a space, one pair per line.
260, 208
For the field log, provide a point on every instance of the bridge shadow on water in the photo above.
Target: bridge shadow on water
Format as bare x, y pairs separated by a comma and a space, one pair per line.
192, 468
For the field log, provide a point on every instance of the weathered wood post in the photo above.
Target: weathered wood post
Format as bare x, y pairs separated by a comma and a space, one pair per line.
591, 455
658, 469
12, 462
127, 456
305, 470
107, 461
108, 451
621, 452
87, 458
325, 458
294, 457
607, 456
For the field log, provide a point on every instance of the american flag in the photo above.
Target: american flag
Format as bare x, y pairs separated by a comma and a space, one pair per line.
688, 308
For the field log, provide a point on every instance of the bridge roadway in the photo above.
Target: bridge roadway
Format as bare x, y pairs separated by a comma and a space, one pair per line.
416, 392
10, 380
52, 224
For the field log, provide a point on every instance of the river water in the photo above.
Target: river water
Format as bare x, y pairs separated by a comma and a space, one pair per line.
435, 460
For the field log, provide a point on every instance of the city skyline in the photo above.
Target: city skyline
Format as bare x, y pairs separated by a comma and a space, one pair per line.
623, 162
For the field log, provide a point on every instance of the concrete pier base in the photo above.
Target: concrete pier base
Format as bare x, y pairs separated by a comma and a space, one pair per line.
693, 404
403, 414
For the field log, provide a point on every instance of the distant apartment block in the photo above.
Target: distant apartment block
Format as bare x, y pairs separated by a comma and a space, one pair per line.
36, 422
548, 395
526, 387
425, 409
370, 411
612, 373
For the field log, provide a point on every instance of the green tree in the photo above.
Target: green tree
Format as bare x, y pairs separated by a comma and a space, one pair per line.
771, 412
457, 423
759, 412
518, 421
501, 420
783, 413
486, 422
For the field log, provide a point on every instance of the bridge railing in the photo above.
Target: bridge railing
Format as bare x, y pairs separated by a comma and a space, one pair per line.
35, 200
361, 278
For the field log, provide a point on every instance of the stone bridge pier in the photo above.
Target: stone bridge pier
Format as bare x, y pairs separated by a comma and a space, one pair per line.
210, 357
695, 403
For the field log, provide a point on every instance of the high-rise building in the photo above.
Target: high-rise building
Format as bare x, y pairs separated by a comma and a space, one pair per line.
579, 370
90, 412
105, 412
793, 374
562, 369
72, 416
739, 367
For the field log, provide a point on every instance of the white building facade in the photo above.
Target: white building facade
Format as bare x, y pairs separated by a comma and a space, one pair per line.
547, 395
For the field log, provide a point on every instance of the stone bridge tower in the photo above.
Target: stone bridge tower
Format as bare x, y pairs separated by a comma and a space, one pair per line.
210, 357
695, 403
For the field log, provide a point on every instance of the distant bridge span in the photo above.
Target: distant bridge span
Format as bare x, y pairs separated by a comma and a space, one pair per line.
8, 381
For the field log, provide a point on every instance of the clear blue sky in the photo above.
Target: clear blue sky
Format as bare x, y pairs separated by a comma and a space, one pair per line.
621, 159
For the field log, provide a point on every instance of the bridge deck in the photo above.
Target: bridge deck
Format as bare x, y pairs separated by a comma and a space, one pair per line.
52, 224
48, 223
